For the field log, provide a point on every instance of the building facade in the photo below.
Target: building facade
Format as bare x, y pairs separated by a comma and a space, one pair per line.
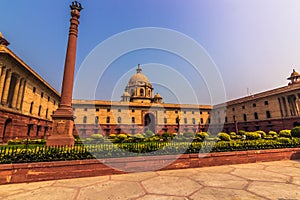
275, 109
27, 100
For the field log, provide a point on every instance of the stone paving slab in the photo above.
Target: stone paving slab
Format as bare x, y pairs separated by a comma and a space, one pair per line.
278, 180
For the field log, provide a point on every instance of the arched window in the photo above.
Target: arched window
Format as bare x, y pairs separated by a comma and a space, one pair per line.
31, 107
47, 113
96, 120
132, 119
268, 114
119, 119
193, 121
141, 92
84, 119
245, 117
107, 120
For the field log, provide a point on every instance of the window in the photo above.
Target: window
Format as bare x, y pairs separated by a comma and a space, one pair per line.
97, 109
133, 110
176, 111
42, 94
226, 120
119, 119
47, 113
200, 112
84, 119
107, 120
193, 121
108, 109
165, 120
132, 119
141, 92
119, 110
31, 107
233, 118
233, 109
33, 89
208, 120
74, 109
48, 98
245, 117
254, 105
96, 120
193, 112
268, 114
85, 109
54, 102
184, 112
243, 107
40, 109
201, 121
165, 111
185, 120
266, 103
255, 115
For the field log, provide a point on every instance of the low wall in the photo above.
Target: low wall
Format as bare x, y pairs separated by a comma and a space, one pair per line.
31, 172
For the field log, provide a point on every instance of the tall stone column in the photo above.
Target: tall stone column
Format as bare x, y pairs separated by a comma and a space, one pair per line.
6, 88
16, 93
62, 133
2, 81
22, 84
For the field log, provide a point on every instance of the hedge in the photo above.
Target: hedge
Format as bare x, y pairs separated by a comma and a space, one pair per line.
19, 154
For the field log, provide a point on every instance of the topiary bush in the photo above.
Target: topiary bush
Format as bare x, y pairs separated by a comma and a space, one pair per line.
138, 137
149, 134
188, 135
224, 137
233, 135
121, 137
296, 132
202, 135
285, 134
252, 136
241, 132
112, 136
262, 133
97, 137
272, 134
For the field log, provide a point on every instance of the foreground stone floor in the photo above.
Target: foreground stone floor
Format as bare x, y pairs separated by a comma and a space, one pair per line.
269, 180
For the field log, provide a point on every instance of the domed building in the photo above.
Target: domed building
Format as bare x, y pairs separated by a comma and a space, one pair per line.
139, 89
294, 78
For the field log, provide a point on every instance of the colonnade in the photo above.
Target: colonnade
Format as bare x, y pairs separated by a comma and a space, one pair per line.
12, 88
289, 105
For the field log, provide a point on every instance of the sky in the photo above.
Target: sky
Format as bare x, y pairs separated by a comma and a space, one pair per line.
253, 45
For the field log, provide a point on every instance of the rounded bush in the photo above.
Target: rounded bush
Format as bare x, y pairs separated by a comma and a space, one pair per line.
149, 133
262, 133
224, 136
272, 133
112, 136
167, 135
233, 135
188, 134
121, 137
202, 135
296, 132
241, 132
285, 133
97, 137
252, 136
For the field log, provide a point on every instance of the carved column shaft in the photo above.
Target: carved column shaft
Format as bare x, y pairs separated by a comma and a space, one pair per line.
16, 93
6, 88
2, 81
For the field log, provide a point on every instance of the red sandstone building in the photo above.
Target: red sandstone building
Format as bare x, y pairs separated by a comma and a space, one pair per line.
28, 102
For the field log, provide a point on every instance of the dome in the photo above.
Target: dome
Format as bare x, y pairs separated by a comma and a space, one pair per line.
295, 73
138, 77
157, 96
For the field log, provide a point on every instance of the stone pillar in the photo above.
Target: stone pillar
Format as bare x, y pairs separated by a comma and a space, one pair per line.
63, 121
2, 81
6, 88
22, 85
16, 93
287, 106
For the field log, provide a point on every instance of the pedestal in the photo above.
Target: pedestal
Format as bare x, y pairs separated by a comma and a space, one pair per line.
62, 132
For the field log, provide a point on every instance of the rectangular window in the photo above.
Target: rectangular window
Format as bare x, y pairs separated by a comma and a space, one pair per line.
108, 109
133, 120
268, 114
176, 111
254, 105
165, 120
266, 103
233, 109
185, 120
85, 109
201, 120
119, 110
33, 89
42, 94
133, 110
243, 107
245, 117
48, 98
97, 109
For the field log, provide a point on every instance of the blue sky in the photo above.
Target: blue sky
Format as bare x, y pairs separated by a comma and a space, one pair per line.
254, 43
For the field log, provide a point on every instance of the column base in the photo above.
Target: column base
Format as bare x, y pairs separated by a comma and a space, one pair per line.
62, 132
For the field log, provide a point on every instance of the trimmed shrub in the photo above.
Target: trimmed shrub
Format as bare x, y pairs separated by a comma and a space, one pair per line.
272, 133
285, 133
252, 136
202, 135
296, 132
241, 132
224, 137
233, 135
97, 137
149, 134
167, 135
138, 137
262, 133
121, 137
112, 136
188, 134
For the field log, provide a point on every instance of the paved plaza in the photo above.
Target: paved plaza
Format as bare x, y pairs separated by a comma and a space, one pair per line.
278, 180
